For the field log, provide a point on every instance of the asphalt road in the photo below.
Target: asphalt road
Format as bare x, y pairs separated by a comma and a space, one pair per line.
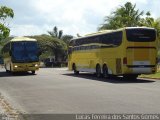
55, 90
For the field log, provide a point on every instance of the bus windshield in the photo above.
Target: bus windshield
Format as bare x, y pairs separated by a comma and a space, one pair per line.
25, 51
141, 35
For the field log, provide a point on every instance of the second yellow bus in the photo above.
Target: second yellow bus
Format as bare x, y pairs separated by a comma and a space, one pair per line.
129, 51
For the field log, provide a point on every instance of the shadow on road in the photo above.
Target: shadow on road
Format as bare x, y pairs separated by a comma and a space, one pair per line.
5, 74
111, 79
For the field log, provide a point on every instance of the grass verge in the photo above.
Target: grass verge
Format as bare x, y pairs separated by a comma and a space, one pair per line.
152, 76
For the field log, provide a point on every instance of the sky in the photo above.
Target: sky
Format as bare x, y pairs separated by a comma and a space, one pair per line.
36, 17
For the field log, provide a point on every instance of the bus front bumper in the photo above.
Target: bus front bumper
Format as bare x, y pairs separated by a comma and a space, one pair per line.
25, 67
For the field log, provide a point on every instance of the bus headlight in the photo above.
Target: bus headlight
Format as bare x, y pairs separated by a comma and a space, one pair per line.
15, 66
36, 65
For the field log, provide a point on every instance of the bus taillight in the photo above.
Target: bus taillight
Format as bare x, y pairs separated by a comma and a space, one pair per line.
125, 61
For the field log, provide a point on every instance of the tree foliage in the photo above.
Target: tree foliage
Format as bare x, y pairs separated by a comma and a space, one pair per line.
124, 16
61, 44
67, 38
5, 13
3, 42
51, 47
56, 33
149, 21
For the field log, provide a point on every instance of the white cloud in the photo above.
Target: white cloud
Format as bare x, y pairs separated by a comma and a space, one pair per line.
72, 16
155, 8
24, 30
75, 16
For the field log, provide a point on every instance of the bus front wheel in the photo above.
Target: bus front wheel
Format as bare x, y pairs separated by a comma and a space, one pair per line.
75, 70
33, 72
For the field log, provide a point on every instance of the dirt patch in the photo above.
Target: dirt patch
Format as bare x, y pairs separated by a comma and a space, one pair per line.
7, 111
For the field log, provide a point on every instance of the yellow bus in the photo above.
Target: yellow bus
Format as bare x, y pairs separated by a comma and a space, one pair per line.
126, 52
21, 54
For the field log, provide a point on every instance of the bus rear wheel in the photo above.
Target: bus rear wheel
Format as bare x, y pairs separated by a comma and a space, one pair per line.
98, 71
105, 71
75, 69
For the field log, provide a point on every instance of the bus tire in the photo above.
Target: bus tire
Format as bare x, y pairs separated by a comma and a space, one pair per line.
98, 71
105, 71
75, 69
33, 72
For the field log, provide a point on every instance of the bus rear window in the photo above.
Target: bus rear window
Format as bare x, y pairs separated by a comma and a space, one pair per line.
141, 35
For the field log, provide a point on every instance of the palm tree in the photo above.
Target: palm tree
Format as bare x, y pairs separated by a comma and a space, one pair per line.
55, 33
51, 46
61, 46
125, 16
149, 21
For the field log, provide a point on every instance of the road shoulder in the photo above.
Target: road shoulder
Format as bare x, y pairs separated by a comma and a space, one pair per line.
7, 111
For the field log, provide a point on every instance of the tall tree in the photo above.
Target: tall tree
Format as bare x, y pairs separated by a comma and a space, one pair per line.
61, 45
124, 16
56, 33
5, 13
51, 46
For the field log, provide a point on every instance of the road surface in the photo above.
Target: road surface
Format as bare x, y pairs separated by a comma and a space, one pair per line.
56, 90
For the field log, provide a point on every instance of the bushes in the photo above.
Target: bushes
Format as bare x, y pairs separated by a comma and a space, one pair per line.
56, 64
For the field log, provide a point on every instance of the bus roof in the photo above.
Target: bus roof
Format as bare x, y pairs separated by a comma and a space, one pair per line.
99, 32
22, 39
144, 27
110, 31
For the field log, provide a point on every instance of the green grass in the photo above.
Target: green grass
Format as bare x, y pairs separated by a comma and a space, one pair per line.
156, 75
